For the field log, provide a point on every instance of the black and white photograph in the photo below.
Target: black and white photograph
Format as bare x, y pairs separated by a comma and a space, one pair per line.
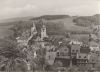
49, 35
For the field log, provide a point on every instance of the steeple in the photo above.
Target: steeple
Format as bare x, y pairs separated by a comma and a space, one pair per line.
33, 29
33, 32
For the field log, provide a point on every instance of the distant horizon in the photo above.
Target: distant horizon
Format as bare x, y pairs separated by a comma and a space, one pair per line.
44, 15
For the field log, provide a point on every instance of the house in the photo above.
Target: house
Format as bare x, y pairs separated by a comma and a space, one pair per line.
22, 41
79, 54
94, 59
85, 49
50, 57
94, 46
75, 41
74, 50
93, 36
63, 55
82, 59
63, 52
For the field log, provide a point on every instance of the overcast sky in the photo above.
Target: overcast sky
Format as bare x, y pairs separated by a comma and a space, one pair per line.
18, 8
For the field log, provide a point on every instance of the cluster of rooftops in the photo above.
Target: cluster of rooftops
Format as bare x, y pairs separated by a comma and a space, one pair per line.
65, 48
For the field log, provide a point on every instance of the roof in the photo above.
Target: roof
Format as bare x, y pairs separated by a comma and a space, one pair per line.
75, 41
93, 36
50, 56
93, 58
84, 50
64, 49
94, 44
75, 47
21, 38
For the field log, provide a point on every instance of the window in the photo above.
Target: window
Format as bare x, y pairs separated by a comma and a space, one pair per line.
76, 50
73, 50
92, 60
79, 56
84, 61
57, 53
84, 56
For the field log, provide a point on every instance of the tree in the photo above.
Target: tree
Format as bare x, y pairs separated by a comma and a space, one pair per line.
11, 57
41, 58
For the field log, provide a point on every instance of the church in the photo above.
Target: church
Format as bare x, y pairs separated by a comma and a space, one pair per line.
38, 39
34, 38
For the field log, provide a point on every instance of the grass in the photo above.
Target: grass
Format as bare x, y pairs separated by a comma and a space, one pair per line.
71, 26
4, 31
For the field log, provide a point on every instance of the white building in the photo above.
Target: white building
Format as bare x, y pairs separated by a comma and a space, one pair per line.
22, 41
94, 46
73, 41
43, 32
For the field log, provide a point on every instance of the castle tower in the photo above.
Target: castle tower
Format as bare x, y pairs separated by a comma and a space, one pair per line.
43, 32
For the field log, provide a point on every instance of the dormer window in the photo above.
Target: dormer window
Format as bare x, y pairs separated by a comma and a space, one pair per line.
79, 56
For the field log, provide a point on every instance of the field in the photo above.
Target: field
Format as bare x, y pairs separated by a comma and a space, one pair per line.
71, 26
4, 31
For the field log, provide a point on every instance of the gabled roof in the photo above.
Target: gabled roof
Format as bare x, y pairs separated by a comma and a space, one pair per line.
50, 56
75, 46
94, 44
64, 49
84, 50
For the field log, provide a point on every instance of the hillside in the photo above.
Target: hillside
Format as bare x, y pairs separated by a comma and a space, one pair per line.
6, 24
4, 31
87, 21
51, 17
56, 24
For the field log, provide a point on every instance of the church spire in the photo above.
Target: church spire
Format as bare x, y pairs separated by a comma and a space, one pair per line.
33, 29
33, 32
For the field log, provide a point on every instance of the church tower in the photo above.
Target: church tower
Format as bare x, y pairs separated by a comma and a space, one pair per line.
43, 32
43, 35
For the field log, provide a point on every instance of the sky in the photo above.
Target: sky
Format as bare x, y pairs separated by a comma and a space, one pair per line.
23, 8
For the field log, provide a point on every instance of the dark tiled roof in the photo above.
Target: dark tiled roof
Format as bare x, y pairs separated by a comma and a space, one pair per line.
84, 50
